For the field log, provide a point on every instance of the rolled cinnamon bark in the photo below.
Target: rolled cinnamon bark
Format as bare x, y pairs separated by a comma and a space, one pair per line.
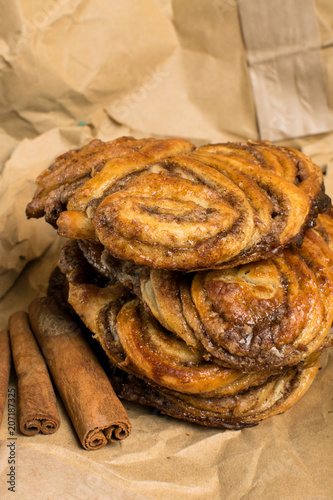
5, 365
94, 409
37, 405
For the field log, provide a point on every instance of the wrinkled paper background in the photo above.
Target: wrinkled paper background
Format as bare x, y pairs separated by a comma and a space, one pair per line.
72, 70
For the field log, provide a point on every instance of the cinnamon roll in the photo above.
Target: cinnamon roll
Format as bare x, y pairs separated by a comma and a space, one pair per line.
270, 313
167, 365
259, 316
166, 204
235, 411
182, 384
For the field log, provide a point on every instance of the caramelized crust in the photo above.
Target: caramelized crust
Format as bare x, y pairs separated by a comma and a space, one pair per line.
168, 365
324, 227
259, 316
174, 379
71, 170
161, 291
241, 409
168, 205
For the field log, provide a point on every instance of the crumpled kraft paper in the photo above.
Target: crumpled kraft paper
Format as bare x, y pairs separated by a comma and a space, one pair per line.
72, 70
21, 242
286, 68
150, 63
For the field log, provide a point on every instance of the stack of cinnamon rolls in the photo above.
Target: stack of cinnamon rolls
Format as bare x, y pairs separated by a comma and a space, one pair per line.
205, 273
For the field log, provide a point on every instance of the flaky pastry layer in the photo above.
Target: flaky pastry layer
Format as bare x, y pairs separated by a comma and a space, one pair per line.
259, 316
168, 205
159, 366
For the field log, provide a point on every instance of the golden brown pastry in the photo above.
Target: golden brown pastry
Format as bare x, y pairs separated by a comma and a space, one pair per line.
262, 315
324, 227
235, 411
133, 339
84, 174
71, 170
175, 373
182, 384
259, 316
166, 204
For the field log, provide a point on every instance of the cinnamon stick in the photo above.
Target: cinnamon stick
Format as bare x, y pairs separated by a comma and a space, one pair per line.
37, 405
5, 365
95, 410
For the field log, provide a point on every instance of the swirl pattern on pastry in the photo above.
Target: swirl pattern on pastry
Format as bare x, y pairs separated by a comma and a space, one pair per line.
169, 205
162, 369
254, 317
236, 399
235, 411
265, 314
72, 169
136, 342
